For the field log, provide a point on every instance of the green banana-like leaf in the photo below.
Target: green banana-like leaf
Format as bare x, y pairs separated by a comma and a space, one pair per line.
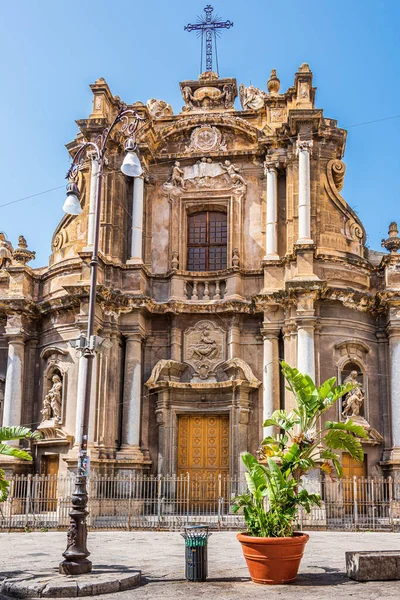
4, 486
292, 454
248, 460
327, 454
7, 450
326, 388
338, 439
17, 433
349, 426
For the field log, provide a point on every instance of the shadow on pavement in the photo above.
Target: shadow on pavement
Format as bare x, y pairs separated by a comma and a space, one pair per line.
321, 579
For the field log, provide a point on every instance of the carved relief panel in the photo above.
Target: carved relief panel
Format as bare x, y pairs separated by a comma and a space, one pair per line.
204, 349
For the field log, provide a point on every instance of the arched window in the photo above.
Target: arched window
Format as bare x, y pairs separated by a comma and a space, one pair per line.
207, 241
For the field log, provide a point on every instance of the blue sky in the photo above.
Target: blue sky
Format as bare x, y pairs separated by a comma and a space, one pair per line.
51, 50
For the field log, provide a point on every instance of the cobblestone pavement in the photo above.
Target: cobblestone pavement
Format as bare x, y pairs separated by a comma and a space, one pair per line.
160, 556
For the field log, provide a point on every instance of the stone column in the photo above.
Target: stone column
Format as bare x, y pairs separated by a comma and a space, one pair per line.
132, 395
234, 338
270, 373
305, 346
13, 392
303, 151
394, 374
271, 243
94, 181
137, 221
176, 339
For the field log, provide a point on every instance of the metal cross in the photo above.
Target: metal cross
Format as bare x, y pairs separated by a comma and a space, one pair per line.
209, 26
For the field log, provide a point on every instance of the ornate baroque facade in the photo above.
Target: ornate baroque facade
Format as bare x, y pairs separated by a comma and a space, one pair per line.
233, 251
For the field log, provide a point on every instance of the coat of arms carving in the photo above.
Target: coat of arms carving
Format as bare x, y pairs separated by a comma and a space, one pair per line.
204, 349
205, 139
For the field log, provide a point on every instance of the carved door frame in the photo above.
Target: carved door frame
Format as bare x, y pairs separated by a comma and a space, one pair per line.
183, 399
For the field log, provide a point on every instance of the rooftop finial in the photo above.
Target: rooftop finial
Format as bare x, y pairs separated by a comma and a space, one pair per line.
273, 83
392, 243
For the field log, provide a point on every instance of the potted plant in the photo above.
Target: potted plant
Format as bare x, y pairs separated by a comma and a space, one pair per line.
271, 546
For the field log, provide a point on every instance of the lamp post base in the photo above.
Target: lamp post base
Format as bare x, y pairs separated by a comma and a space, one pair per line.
68, 567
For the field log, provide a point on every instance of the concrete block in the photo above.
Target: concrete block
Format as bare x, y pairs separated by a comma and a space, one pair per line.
373, 566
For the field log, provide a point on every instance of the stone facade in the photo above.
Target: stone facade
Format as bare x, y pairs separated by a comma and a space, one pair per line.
299, 284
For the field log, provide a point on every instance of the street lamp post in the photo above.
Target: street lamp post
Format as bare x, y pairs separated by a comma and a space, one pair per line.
76, 554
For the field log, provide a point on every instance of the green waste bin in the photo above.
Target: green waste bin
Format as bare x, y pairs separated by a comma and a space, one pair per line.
196, 540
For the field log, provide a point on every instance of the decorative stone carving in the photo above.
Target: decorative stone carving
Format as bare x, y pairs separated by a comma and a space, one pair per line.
59, 240
159, 108
335, 172
251, 98
52, 401
166, 370
352, 406
204, 349
208, 93
273, 83
21, 254
233, 173
278, 115
236, 368
205, 139
174, 260
235, 257
6, 250
177, 176
205, 174
392, 243
354, 399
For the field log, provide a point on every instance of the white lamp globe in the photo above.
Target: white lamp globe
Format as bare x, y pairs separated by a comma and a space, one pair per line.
72, 206
131, 166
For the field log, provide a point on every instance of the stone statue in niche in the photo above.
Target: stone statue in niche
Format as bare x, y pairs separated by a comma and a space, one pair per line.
353, 401
52, 401
233, 172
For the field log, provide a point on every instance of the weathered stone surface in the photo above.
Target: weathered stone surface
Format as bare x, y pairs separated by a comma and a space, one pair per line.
106, 580
373, 566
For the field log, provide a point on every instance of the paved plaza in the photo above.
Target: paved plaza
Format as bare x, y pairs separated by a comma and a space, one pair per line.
160, 556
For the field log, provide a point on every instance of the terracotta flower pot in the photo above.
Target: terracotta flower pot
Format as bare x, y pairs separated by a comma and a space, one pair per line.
273, 560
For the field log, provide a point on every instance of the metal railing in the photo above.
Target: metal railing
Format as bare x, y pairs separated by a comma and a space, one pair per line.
168, 502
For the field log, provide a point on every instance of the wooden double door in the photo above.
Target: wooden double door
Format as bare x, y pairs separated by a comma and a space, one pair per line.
354, 469
203, 453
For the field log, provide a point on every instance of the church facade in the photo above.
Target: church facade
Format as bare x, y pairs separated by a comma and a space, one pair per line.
233, 251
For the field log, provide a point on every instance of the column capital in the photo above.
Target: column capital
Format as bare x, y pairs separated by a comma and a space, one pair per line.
134, 336
393, 329
271, 166
270, 331
303, 145
306, 322
15, 335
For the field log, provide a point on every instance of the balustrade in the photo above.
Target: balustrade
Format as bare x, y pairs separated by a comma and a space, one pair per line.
204, 290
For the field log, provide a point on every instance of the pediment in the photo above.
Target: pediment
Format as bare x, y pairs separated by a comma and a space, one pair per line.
213, 133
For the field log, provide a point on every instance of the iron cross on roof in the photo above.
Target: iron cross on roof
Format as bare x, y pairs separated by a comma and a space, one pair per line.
209, 26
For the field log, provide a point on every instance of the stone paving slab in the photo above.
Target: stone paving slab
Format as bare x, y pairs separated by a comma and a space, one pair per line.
50, 584
160, 557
